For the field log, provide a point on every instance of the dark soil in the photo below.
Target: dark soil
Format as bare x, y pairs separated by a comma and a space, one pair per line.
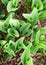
38, 59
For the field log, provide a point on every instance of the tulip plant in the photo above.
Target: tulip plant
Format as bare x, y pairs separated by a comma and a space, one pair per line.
16, 31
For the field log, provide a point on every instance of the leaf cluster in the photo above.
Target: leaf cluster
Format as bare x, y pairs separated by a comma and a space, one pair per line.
16, 31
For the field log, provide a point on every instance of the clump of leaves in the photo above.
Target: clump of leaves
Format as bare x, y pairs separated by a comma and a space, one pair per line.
25, 58
38, 4
32, 17
17, 31
13, 5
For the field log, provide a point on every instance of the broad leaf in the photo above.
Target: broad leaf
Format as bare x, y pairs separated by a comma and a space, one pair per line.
15, 2
22, 22
44, 4
38, 4
8, 56
32, 17
37, 37
10, 7
2, 43
25, 58
27, 32
2, 28
5, 1
8, 50
34, 48
33, 35
14, 23
12, 45
24, 28
9, 37
12, 32
2, 15
19, 44
43, 30
6, 22
42, 15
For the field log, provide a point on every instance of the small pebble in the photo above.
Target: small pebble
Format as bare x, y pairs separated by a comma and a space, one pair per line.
42, 60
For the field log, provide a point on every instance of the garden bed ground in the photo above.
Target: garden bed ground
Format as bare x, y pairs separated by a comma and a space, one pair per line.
38, 59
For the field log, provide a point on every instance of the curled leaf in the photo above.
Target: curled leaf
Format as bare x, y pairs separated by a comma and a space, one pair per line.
38, 4
10, 7
32, 17
25, 58
19, 44
12, 32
